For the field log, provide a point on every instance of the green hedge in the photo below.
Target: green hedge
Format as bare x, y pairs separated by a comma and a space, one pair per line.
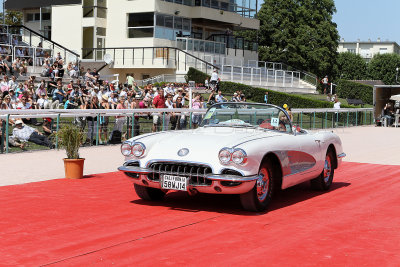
196, 75
354, 90
276, 98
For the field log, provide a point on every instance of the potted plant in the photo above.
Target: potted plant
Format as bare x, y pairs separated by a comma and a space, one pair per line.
71, 137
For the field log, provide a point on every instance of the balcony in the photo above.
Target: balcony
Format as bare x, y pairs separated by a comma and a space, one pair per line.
202, 46
248, 11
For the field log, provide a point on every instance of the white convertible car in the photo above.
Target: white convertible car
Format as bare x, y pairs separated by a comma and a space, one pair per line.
241, 148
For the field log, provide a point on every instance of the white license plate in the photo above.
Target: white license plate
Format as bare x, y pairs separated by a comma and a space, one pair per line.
174, 182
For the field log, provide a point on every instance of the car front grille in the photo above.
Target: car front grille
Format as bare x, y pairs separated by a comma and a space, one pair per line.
195, 172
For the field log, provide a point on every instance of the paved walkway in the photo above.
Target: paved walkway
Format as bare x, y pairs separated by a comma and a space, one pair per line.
361, 144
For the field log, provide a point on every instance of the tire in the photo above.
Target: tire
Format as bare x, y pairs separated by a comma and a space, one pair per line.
258, 198
148, 193
324, 181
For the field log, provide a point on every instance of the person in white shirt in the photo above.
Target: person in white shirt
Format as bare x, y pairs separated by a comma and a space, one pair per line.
25, 133
42, 102
337, 104
123, 93
169, 90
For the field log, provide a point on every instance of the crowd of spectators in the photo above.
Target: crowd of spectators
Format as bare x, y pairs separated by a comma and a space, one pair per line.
90, 92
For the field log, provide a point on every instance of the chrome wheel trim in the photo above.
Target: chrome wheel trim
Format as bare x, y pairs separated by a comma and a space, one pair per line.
263, 185
327, 169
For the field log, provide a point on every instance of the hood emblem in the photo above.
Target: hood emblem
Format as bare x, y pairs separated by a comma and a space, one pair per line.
183, 152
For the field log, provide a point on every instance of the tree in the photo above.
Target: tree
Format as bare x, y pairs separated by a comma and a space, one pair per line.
12, 17
383, 67
300, 33
351, 66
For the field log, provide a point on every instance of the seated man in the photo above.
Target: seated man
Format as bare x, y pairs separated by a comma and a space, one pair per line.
25, 133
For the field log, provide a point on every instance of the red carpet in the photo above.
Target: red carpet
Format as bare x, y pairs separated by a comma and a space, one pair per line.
100, 220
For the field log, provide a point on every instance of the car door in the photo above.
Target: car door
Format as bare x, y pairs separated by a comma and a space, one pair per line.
310, 155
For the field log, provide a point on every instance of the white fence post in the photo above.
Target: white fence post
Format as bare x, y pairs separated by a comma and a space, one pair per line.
251, 77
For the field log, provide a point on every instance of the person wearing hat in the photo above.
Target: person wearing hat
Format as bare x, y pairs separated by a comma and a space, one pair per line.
42, 102
282, 116
26, 133
14, 98
235, 97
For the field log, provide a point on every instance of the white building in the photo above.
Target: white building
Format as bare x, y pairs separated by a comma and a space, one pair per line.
367, 49
145, 37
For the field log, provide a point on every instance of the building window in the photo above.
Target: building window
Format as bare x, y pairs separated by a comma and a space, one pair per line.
100, 31
350, 50
383, 50
140, 25
31, 17
92, 8
169, 27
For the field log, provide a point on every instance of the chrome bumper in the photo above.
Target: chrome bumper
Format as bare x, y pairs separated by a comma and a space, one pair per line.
214, 177
247, 182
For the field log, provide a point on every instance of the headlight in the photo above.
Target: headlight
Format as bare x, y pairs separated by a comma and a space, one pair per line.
224, 155
138, 149
239, 156
126, 149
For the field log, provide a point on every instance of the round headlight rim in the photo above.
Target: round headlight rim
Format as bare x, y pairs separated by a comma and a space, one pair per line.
143, 149
229, 150
244, 156
130, 148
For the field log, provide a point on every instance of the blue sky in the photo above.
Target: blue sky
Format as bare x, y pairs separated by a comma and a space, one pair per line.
368, 19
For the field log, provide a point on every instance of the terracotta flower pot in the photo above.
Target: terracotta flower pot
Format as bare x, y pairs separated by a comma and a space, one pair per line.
73, 168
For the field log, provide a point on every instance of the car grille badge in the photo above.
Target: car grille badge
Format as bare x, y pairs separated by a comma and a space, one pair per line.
183, 152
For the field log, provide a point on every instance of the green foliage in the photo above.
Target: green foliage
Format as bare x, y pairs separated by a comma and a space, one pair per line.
12, 17
351, 66
299, 33
383, 67
159, 84
196, 75
248, 35
276, 98
354, 90
70, 137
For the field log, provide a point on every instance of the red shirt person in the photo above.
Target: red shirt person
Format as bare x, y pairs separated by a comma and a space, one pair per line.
158, 102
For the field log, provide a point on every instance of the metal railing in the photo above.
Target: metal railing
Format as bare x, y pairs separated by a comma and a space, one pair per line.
133, 122
233, 42
34, 39
6, 50
163, 57
35, 56
200, 46
169, 78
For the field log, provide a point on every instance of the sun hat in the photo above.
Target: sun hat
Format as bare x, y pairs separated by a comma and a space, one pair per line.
18, 122
105, 97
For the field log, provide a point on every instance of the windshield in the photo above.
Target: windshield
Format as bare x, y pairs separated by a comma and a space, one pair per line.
253, 115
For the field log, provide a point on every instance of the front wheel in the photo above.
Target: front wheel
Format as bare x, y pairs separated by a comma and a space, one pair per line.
324, 181
148, 193
259, 197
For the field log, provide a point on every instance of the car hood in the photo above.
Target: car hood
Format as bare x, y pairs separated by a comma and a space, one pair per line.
203, 143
